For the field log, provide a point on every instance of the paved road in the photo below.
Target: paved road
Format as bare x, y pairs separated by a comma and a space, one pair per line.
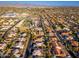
26, 53
10, 29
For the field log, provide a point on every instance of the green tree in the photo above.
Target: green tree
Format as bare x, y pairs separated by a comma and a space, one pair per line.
1, 39
62, 26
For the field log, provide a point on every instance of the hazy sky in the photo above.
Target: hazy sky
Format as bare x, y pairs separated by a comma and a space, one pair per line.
47, 3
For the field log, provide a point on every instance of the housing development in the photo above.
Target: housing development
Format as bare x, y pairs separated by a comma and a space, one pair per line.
47, 32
